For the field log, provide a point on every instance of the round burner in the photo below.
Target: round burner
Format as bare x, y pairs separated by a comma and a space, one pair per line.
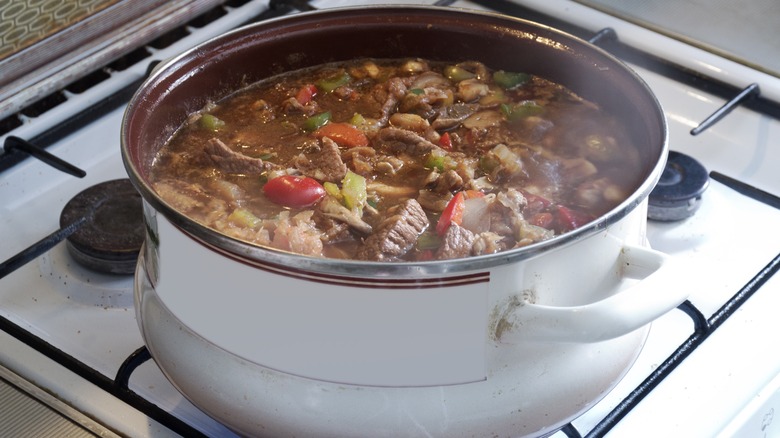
111, 238
678, 193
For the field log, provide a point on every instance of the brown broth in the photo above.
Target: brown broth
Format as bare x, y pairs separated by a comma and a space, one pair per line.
543, 160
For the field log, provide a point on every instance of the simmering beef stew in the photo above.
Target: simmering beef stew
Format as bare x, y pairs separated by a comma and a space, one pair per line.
397, 160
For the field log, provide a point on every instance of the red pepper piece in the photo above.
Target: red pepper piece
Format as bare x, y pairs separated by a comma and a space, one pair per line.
306, 94
445, 142
453, 213
570, 219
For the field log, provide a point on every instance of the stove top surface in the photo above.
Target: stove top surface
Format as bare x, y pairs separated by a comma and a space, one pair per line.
726, 244
734, 29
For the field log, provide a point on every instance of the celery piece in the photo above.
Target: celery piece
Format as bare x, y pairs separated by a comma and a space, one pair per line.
358, 121
353, 189
332, 189
488, 163
316, 121
439, 162
244, 218
210, 122
428, 240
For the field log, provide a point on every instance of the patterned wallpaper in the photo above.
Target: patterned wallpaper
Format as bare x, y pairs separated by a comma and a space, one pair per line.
26, 22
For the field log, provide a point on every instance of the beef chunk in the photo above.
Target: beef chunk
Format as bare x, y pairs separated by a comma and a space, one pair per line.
449, 181
192, 198
451, 116
291, 106
394, 91
230, 161
397, 234
456, 243
324, 165
487, 243
402, 140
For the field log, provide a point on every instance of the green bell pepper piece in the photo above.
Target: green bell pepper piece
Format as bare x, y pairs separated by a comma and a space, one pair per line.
316, 121
507, 80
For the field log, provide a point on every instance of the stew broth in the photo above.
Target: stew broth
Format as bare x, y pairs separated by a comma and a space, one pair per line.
402, 159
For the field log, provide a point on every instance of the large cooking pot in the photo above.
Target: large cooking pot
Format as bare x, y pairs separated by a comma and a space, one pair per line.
278, 344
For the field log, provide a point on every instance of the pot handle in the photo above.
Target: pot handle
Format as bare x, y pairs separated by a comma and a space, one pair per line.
617, 315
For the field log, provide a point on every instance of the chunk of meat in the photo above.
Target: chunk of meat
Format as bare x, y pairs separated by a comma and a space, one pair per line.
506, 212
425, 101
433, 201
397, 234
472, 89
332, 230
451, 116
292, 105
361, 159
323, 165
230, 161
456, 243
449, 181
416, 124
487, 243
402, 140
191, 198
395, 91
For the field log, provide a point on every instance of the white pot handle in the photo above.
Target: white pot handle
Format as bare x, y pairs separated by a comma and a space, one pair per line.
630, 309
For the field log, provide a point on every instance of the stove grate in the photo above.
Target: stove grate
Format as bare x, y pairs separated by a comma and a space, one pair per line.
118, 389
703, 327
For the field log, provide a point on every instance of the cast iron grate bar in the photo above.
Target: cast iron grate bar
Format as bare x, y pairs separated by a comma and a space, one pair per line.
132, 362
685, 349
638, 57
746, 189
606, 34
286, 6
703, 327
71, 124
40, 247
97, 110
749, 92
15, 144
117, 389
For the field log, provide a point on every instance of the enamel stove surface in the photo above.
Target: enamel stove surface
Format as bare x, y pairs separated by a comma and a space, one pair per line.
725, 382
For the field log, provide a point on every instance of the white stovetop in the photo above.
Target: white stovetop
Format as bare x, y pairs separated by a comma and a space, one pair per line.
730, 235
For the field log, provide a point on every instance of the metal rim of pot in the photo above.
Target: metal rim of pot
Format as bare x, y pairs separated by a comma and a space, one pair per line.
415, 19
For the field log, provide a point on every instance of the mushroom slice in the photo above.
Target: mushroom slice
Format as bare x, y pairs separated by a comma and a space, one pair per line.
333, 209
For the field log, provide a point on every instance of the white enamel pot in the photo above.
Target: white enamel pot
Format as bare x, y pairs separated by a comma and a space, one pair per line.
511, 344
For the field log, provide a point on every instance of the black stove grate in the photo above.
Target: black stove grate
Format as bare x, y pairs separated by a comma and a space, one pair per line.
703, 326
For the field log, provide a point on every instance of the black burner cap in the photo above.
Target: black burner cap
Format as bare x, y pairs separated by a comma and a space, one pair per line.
111, 238
679, 191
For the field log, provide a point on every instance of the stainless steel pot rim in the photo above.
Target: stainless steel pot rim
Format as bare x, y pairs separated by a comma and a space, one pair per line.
378, 269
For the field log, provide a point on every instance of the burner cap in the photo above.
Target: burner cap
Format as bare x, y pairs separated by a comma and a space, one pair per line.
678, 193
111, 238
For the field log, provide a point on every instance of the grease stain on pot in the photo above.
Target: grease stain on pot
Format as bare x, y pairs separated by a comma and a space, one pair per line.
503, 317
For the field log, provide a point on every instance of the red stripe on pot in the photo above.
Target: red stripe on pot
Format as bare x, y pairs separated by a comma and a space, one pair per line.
342, 280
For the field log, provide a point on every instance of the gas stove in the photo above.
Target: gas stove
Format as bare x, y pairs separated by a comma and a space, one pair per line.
71, 344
